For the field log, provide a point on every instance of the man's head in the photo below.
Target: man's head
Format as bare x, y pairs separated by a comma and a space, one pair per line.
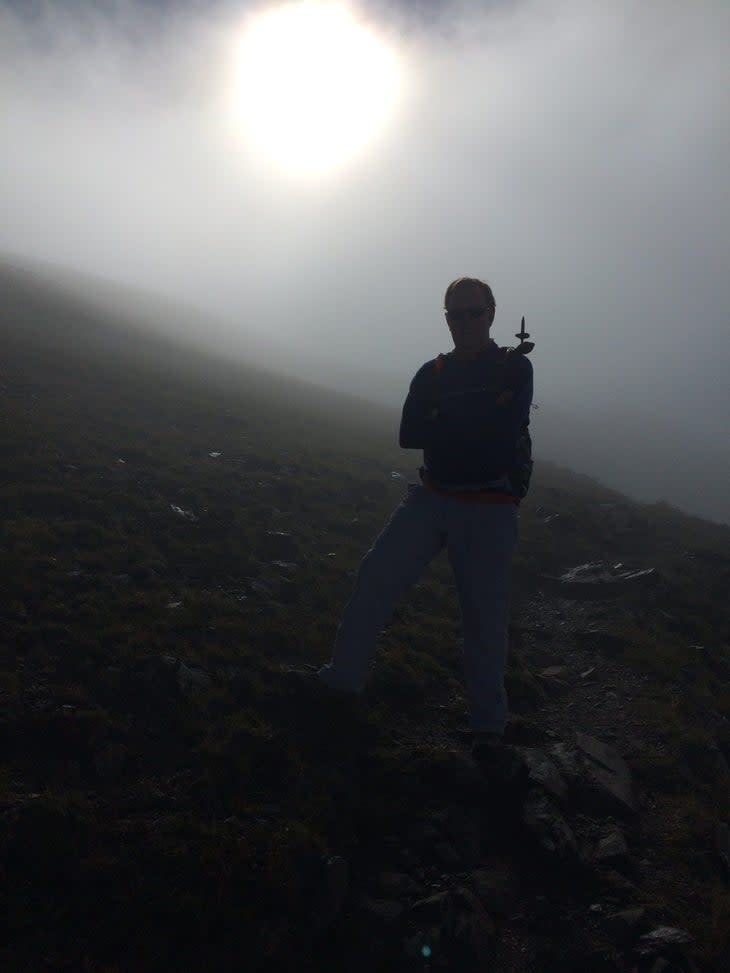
469, 306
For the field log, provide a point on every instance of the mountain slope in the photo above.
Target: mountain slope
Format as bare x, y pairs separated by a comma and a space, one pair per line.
173, 531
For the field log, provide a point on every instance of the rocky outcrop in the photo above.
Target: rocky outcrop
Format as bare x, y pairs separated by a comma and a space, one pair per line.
455, 890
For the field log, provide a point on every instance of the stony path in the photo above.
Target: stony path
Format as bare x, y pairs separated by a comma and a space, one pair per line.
594, 690
583, 685
572, 649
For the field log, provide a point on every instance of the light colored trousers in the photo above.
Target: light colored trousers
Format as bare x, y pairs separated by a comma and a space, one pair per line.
480, 540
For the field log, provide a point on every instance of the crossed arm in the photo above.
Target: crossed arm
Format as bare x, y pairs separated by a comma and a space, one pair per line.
431, 420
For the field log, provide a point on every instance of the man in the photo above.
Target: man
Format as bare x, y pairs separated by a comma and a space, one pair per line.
468, 411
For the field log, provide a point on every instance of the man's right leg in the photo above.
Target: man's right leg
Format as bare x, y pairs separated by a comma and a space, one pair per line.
410, 539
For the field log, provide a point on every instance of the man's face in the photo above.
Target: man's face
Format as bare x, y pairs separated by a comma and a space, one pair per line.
469, 329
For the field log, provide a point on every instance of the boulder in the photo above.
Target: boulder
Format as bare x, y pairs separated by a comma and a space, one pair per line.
543, 772
599, 779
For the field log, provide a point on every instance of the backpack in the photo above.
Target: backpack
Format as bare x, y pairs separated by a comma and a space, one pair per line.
520, 471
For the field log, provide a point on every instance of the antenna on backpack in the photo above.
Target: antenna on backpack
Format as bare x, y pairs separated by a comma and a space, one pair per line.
524, 347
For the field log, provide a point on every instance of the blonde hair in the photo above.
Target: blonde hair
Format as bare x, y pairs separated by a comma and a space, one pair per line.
488, 296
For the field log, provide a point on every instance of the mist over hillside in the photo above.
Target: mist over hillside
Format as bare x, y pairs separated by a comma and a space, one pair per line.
592, 196
645, 456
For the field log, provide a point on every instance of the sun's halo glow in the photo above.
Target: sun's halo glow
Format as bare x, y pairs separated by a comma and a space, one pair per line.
313, 85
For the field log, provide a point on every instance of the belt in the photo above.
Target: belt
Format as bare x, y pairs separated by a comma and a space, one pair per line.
491, 492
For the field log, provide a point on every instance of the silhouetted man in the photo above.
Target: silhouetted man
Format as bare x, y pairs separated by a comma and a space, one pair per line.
468, 411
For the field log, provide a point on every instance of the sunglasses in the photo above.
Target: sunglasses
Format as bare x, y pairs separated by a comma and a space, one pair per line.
468, 314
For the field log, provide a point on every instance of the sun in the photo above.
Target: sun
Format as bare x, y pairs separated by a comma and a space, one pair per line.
313, 84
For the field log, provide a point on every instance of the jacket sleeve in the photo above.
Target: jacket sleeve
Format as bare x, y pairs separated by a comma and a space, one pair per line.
417, 420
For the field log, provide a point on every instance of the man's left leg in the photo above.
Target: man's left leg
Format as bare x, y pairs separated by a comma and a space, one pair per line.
481, 540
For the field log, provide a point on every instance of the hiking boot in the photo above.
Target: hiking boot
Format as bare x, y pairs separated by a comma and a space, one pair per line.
487, 747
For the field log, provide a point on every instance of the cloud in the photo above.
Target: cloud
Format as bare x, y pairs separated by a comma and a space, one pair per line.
574, 153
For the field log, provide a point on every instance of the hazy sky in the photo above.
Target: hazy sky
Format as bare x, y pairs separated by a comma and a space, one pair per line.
575, 153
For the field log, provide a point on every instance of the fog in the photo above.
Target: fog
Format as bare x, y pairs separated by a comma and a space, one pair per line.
574, 153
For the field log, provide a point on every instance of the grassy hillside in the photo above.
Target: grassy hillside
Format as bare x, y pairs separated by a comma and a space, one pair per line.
158, 505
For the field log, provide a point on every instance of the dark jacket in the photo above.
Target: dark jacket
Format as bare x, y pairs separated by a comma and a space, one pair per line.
468, 417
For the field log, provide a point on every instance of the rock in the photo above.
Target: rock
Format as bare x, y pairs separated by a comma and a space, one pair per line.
430, 909
612, 850
553, 678
566, 759
543, 771
626, 925
156, 681
617, 886
663, 938
181, 512
598, 579
550, 829
192, 680
555, 672
599, 776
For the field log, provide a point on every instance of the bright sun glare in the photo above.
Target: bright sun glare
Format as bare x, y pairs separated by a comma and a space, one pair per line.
313, 84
